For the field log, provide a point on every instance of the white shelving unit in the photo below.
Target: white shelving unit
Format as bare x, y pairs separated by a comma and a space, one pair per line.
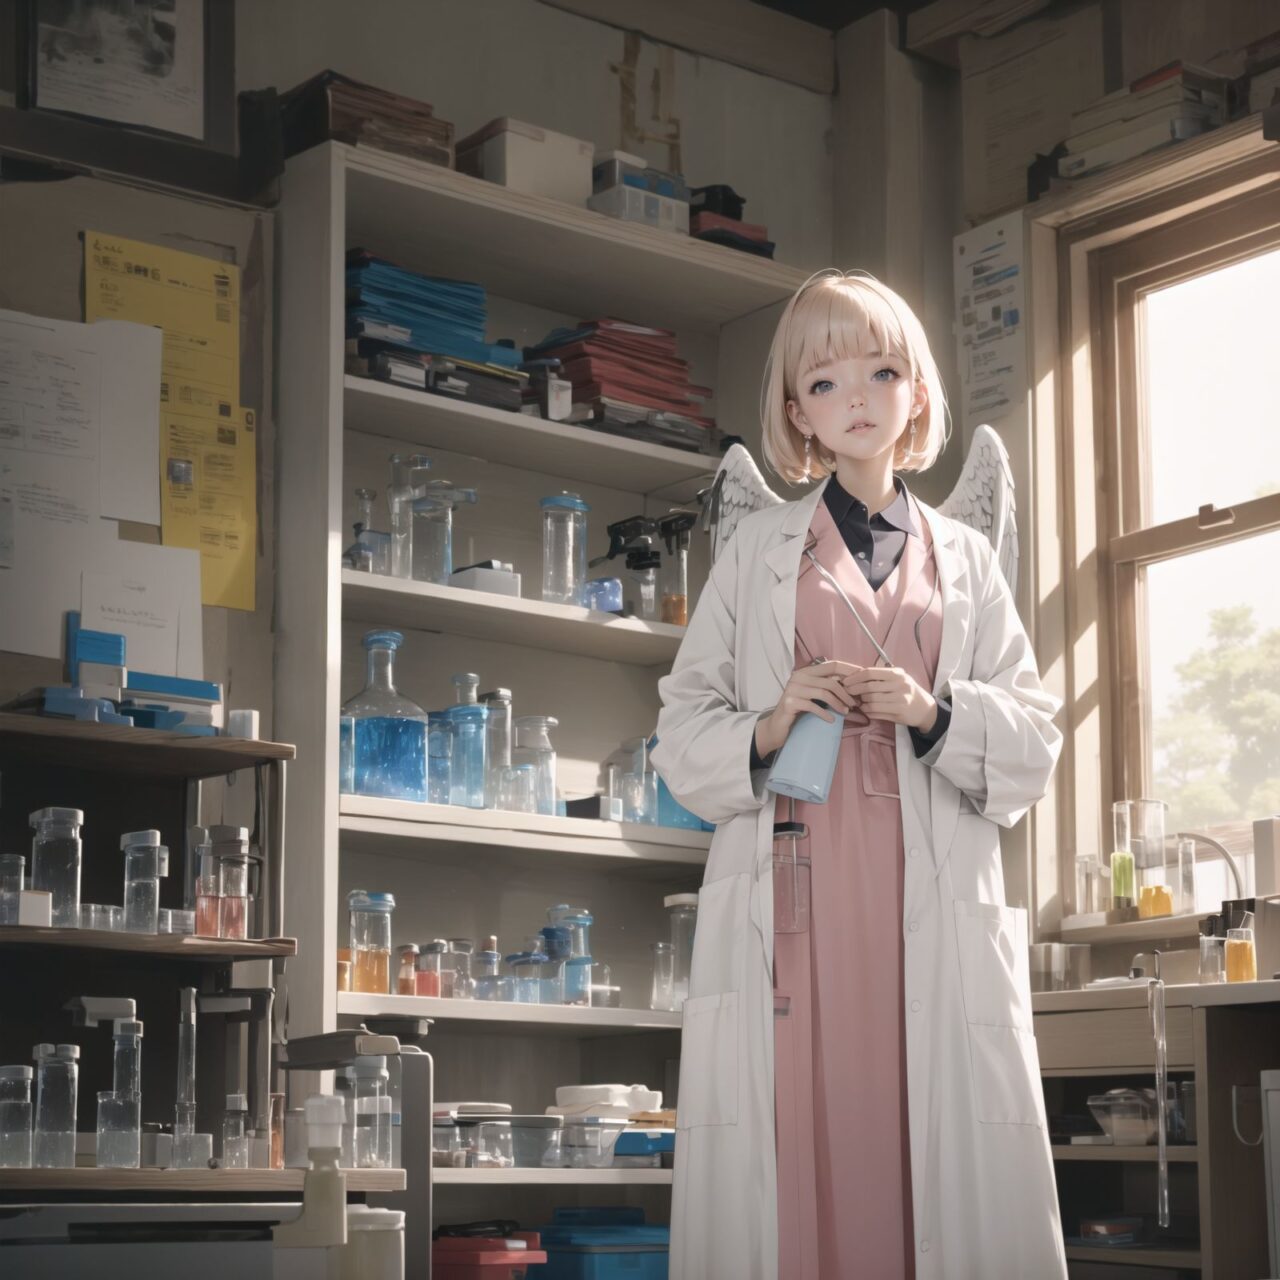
455, 871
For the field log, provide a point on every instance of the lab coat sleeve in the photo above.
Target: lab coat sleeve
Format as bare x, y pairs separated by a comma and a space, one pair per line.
704, 741
1001, 745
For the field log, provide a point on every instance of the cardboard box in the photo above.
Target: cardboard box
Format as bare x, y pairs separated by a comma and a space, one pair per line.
1017, 93
526, 157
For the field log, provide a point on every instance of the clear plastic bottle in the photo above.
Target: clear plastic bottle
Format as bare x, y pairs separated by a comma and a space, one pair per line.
564, 548
55, 862
119, 1130
370, 915
499, 730
57, 1083
369, 1078
533, 746
146, 861
126, 1067
469, 773
390, 730
235, 1138
15, 1117
683, 909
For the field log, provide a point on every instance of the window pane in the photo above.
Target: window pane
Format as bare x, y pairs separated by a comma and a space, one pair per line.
1213, 389
1214, 645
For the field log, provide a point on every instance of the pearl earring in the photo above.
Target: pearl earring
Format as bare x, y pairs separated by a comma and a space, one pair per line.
808, 457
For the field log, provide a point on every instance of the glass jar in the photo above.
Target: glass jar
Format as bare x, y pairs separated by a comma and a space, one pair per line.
53, 1144
407, 970
577, 980
533, 746
427, 976
371, 550
1088, 899
370, 917
564, 548
390, 731
369, 1078
208, 888
1213, 965
791, 878
433, 530
12, 881
55, 862
456, 982
119, 1130
1241, 954
1153, 863
233, 899
526, 968
146, 861
15, 1117
468, 776
498, 756
683, 909
1122, 868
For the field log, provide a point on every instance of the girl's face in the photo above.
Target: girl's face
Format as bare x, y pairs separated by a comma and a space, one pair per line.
857, 406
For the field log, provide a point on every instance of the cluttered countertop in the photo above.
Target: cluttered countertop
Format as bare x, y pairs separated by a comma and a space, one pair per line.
1134, 996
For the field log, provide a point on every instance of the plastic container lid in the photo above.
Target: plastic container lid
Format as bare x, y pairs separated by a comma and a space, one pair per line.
564, 501
228, 835
125, 1027
363, 1217
496, 695
369, 1066
359, 900
65, 1052
237, 1102
148, 838
382, 639
409, 948
56, 814
16, 1073
681, 900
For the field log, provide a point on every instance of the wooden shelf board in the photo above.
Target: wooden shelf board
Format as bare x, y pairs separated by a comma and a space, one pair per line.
555, 255
1123, 1155
1140, 1257
481, 615
114, 748
176, 946
551, 1177
405, 829
222, 1181
517, 440
503, 1017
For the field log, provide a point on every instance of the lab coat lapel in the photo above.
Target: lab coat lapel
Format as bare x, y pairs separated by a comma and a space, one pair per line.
784, 563
955, 586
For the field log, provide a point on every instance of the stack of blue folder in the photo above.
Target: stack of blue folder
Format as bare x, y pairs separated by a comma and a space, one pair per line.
387, 304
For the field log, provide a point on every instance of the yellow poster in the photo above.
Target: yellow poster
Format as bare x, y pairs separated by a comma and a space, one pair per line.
208, 500
206, 439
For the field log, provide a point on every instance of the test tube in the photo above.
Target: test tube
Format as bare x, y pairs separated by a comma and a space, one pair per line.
57, 1081
208, 892
184, 1115
12, 872
55, 862
15, 1117
662, 996
146, 860
277, 1131
235, 1141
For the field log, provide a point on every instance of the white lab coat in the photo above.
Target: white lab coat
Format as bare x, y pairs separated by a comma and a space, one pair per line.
983, 1193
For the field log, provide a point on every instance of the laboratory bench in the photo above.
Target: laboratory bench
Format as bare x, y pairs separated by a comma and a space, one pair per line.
1219, 1038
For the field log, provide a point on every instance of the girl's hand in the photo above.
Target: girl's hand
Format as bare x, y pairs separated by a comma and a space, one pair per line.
889, 693
807, 686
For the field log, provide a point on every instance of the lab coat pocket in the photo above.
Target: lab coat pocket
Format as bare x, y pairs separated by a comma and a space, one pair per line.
879, 765
1006, 1076
994, 971
709, 1055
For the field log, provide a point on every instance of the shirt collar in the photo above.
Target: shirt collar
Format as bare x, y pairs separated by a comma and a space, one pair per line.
843, 505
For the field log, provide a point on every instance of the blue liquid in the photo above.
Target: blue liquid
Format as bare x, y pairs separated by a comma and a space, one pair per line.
440, 760
346, 755
391, 758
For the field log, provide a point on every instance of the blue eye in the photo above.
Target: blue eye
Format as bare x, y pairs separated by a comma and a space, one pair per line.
821, 382
893, 373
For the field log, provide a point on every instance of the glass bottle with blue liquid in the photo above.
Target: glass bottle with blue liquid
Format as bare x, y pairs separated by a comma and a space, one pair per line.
468, 729
383, 745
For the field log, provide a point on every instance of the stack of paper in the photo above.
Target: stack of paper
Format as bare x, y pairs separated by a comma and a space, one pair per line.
627, 378
1176, 102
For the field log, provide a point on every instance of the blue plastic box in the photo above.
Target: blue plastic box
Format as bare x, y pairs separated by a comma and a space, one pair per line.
603, 1244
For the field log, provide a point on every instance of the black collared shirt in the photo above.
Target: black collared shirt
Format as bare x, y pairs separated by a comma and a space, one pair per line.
876, 543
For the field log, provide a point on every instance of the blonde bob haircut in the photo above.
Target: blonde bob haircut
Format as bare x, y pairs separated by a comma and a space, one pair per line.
836, 315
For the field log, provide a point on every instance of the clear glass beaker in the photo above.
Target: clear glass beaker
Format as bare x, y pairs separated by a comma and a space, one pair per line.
526, 968
408, 479
390, 731
577, 980
517, 790
12, 881
53, 1143
533, 746
564, 548
370, 929
1241, 954
15, 1117
500, 732
662, 994
1213, 964
468, 774
369, 1078
683, 911
146, 862
432, 540
557, 943
55, 862
791, 877
1122, 867
119, 1130
234, 900
235, 1139
1087, 885
639, 797
456, 982
1151, 854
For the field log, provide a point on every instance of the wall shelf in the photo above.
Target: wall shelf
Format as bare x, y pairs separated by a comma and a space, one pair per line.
500, 1016
551, 1177
480, 615
1188, 1259
1125, 1155
211, 1181
405, 829
1091, 928
173, 946
115, 748
517, 440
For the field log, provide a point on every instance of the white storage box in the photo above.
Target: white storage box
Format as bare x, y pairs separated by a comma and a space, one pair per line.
633, 205
527, 158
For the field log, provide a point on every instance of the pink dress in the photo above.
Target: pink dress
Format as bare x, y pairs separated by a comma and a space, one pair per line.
844, 1160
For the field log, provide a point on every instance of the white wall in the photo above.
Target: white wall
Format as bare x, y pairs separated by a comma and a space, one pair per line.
472, 62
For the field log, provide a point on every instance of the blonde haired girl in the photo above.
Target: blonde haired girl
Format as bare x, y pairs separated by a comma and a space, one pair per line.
889, 1122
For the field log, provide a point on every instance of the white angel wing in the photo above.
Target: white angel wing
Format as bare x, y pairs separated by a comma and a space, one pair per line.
983, 499
737, 490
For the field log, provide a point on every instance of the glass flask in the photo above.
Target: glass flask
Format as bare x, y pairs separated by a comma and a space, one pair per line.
564, 548
390, 731
517, 789
408, 480
533, 746
55, 862
370, 924
432, 556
